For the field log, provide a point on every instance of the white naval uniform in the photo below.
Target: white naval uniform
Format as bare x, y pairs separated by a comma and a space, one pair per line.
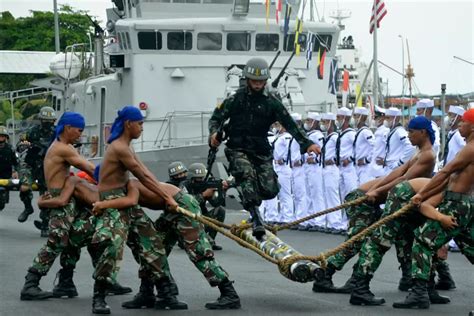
298, 180
380, 145
454, 144
348, 174
314, 175
436, 145
363, 150
398, 150
283, 170
331, 184
269, 208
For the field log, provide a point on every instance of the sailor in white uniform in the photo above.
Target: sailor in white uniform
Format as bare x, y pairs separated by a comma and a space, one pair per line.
314, 171
269, 208
380, 143
363, 146
283, 170
455, 141
425, 107
330, 173
345, 152
398, 149
297, 175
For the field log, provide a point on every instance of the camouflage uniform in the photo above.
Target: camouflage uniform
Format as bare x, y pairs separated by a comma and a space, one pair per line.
112, 230
360, 217
60, 224
248, 151
399, 231
31, 164
173, 227
431, 236
8, 163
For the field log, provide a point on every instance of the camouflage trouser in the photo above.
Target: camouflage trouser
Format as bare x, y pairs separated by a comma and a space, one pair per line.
60, 223
217, 213
27, 176
174, 227
254, 175
398, 231
4, 197
112, 230
431, 236
360, 217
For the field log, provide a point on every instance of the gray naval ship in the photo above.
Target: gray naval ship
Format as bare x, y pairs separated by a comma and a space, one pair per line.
177, 60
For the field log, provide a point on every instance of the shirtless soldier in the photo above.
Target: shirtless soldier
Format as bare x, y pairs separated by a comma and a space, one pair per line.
457, 202
115, 225
60, 156
363, 215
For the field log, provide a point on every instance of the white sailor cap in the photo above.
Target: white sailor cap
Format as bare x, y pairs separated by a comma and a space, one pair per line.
361, 110
393, 112
456, 109
296, 116
328, 116
424, 103
378, 109
314, 116
344, 111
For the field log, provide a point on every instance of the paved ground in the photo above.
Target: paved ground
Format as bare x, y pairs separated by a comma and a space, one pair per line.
261, 287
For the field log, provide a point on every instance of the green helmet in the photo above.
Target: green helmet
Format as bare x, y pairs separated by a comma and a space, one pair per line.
197, 170
256, 69
3, 131
176, 168
47, 113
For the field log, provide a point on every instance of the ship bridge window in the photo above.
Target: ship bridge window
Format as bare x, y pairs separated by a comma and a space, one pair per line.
209, 41
149, 40
267, 42
322, 40
289, 42
180, 40
238, 41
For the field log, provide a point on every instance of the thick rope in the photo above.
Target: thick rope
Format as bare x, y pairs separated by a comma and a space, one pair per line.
238, 240
357, 201
286, 263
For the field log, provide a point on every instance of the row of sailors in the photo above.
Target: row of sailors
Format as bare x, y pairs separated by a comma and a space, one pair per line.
349, 157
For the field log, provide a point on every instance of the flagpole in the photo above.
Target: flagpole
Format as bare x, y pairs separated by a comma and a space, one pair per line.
375, 62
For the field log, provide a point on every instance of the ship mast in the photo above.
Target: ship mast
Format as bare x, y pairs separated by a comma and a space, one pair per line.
409, 74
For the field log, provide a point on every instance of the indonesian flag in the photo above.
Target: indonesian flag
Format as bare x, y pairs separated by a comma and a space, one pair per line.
380, 12
278, 11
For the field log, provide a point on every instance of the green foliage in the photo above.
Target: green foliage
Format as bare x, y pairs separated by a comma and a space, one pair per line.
6, 112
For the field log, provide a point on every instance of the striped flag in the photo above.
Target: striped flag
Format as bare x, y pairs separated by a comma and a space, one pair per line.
267, 11
298, 31
309, 49
345, 86
278, 11
332, 88
321, 59
286, 26
380, 12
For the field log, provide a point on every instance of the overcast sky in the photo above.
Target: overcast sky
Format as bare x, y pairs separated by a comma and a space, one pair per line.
436, 31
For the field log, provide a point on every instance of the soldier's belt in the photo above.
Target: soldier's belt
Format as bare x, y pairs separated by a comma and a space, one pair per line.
329, 162
456, 196
379, 161
280, 162
311, 162
297, 164
15, 184
363, 162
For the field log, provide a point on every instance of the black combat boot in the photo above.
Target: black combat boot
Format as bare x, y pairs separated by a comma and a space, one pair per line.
99, 306
167, 295
349, 286
445, 280
31, 290
361, 295
144, 297
228, 299
65, 286
417, 298
435, 297
406, 281
323, 280
38, 224
26, 212
117, 289
257, 224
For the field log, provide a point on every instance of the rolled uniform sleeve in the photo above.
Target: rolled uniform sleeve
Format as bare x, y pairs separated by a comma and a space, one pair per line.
407, 148
285, 119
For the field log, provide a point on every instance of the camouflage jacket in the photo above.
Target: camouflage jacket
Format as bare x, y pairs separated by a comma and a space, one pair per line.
8, 160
